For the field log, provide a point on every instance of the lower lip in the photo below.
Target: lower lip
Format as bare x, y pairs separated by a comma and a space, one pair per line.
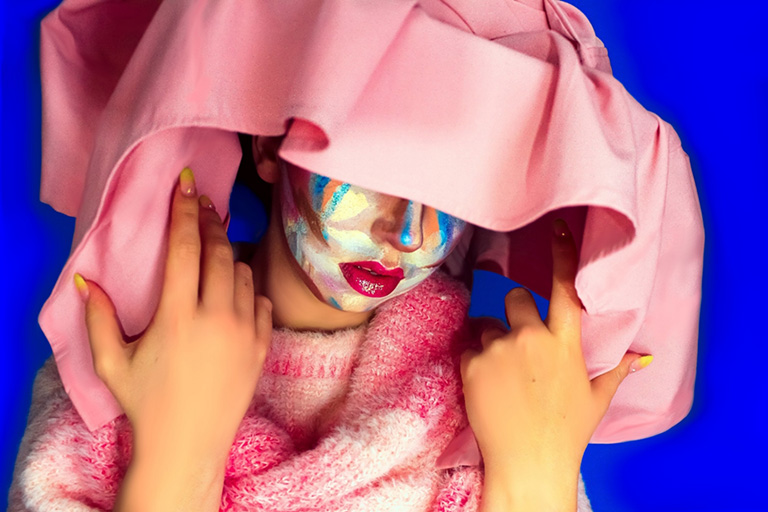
365, 283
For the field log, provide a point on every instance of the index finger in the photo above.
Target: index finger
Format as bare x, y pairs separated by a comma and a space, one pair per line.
182, 267
564, 316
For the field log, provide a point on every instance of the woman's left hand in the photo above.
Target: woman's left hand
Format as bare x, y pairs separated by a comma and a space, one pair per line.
529, 399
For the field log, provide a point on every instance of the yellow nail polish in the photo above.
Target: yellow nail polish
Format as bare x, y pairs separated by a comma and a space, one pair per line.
640, 363
645, 361
187, 182
205, 202
82, 286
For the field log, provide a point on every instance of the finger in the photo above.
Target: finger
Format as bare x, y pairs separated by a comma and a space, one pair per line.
104, 334
486, 329
564, 316
466, 358
182, 267
491, 334
263, 309
604, 386
521, 309
217, 270
244, 293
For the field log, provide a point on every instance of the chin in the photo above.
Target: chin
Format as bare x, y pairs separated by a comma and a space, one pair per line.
356, 303
353, 302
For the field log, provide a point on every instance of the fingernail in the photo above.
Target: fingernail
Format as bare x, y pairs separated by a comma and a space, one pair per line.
560, 228
640, 363
82, 287
205, 202
187, 182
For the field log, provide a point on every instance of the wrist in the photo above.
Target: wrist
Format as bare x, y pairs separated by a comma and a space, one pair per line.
162, 482
535, 490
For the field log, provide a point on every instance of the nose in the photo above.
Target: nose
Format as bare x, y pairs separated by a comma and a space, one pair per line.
402, 230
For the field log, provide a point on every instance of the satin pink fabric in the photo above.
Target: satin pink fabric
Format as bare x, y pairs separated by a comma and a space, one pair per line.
501, 112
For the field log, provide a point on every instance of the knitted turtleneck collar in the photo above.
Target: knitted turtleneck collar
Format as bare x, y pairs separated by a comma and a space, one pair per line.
305, 379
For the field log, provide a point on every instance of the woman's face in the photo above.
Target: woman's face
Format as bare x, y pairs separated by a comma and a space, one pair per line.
358, 247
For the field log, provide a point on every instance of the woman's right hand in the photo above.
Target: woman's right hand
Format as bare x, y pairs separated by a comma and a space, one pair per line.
187, 382
530, 401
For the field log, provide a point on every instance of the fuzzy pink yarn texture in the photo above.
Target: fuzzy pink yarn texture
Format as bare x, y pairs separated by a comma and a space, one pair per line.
352, 420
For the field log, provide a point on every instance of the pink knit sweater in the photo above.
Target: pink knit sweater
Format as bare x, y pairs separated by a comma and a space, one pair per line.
352, 420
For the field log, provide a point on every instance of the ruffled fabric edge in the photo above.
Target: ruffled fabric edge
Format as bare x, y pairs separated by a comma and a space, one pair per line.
570, 142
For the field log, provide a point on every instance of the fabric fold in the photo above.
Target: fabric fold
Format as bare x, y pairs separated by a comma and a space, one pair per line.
503, 121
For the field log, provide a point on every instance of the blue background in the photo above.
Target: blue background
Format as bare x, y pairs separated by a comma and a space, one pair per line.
701, 66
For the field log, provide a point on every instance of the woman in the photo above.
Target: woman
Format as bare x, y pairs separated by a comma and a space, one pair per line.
217, 367
307, 146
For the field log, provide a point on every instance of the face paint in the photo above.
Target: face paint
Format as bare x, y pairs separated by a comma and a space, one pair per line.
358, 247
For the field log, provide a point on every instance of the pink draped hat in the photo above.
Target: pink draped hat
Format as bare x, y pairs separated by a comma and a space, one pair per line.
501, 112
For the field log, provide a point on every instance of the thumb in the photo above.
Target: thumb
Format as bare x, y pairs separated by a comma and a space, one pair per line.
104, 333
604, 386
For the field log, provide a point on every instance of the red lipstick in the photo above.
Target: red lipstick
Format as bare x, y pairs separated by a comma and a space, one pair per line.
371, 278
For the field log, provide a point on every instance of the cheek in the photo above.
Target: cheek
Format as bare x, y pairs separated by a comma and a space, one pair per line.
349, 241
315, 199
346, 205
430, 229
451, 229
310, 217
441, 232
346, 217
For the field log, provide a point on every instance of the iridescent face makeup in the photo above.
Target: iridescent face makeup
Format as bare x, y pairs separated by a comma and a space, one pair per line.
359, 247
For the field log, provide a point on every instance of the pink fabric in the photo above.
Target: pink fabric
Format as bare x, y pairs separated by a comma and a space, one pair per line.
402, 403
501, 112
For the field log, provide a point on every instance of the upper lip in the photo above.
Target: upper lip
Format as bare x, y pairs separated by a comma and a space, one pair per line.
380, 269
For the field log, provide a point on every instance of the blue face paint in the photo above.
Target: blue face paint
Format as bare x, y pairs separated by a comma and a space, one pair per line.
317, 186
337, 196
448, 226
406, 238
